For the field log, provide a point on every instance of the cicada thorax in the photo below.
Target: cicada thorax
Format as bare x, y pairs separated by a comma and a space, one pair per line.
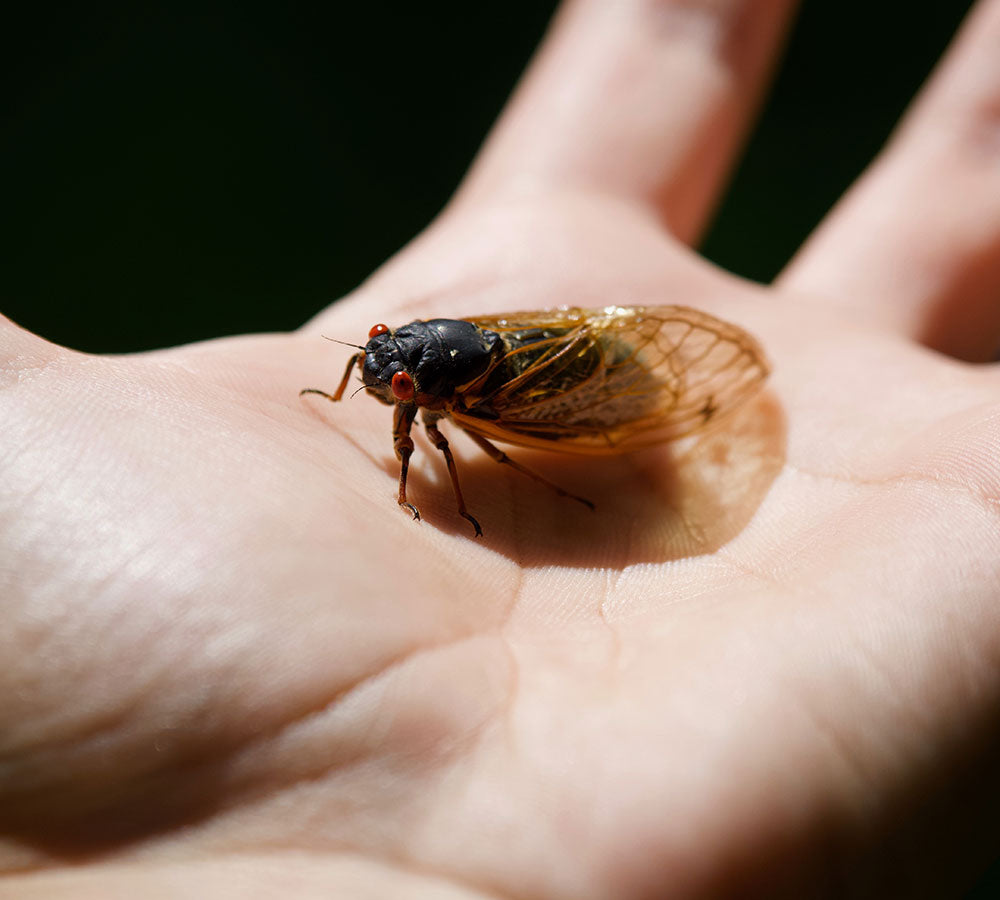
436, 357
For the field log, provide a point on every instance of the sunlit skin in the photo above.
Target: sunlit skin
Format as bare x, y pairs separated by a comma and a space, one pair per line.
769, 663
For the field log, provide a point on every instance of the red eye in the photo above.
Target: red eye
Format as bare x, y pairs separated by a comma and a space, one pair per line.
376, 330
402, 386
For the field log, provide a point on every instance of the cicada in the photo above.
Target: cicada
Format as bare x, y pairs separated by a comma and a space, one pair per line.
593, 381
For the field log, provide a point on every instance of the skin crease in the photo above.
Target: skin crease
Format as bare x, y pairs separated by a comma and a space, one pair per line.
233, 665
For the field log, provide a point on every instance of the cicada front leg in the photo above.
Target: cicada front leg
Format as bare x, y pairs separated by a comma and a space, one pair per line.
335, 397
402, 443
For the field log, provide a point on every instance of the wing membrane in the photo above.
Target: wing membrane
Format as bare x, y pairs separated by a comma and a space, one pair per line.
614, 379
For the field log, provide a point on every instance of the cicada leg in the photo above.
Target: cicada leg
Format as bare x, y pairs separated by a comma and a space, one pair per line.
499, 456
402, 443
441, 442
335, 397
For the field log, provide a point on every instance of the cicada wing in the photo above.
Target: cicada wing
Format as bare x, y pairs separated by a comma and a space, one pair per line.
614, 379
565, 317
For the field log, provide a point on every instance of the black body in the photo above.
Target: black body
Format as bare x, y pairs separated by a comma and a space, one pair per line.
440, 355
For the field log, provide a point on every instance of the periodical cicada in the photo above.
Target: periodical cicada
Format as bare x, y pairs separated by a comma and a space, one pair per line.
593, 381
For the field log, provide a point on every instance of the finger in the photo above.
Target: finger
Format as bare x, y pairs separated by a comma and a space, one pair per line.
645, 99
915, 245
23, 353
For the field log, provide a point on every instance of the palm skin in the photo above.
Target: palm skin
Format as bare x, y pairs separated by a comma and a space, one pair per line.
231, 655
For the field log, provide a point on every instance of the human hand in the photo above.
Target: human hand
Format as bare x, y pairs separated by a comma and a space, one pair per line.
233, 662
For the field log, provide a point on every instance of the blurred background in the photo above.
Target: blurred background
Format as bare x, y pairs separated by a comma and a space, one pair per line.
173, 173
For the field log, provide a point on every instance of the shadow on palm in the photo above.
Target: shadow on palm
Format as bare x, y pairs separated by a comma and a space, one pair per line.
665, 503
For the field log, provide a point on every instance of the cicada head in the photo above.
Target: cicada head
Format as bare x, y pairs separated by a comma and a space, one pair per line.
426, 362
383, 370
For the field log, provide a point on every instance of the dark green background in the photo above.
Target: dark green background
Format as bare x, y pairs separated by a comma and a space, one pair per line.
172, 174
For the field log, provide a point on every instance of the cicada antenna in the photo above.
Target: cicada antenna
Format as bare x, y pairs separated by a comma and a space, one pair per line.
345, 343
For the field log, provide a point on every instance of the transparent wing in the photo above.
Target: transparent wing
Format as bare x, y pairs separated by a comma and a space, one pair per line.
614, 379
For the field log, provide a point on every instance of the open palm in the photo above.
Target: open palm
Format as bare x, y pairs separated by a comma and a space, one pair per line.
232, 662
